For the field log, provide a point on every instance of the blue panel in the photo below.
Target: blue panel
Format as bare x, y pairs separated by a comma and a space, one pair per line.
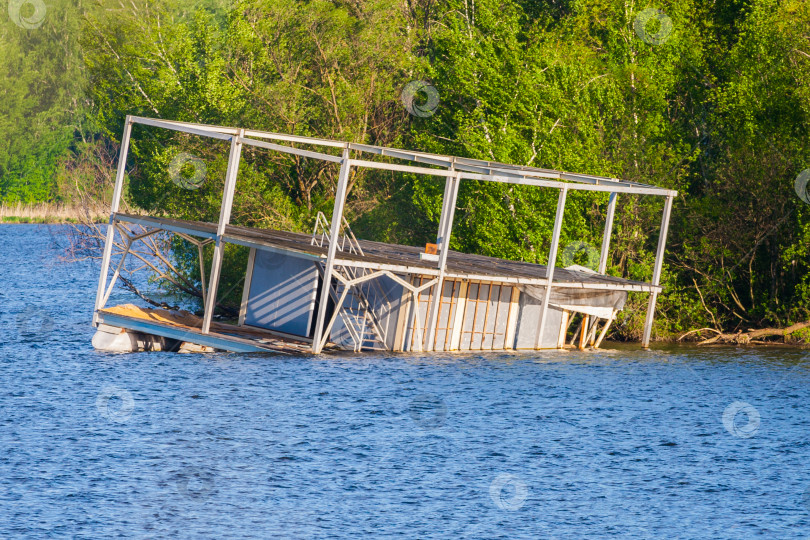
282, 293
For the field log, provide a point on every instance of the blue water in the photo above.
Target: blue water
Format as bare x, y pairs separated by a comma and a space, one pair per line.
620, 443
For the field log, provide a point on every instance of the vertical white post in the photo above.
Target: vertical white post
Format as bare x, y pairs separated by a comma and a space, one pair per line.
201, 257
552, 259
448, 212
115, 203
246, 287
231, 174
417, 335
448, 187
337, 219
659, 260
611, 209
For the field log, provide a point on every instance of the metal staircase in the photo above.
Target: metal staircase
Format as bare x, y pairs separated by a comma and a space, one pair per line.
357, 313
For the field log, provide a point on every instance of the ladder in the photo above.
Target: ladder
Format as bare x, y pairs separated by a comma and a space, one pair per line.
358, 313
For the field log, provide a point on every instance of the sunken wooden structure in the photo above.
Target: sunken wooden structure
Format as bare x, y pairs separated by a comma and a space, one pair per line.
379, 296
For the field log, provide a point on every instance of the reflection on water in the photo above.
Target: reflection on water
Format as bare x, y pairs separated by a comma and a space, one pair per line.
674, 442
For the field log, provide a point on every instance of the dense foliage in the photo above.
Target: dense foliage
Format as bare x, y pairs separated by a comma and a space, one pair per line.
711, 99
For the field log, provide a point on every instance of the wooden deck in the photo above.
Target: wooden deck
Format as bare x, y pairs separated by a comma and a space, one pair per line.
185, 326
397, 258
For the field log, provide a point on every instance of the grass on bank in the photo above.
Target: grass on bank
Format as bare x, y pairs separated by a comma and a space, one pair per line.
50, 213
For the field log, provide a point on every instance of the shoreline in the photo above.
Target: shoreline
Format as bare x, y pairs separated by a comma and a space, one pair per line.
14, 220
50, 214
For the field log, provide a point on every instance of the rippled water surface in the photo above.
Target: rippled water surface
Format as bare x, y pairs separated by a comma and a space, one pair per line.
667, 443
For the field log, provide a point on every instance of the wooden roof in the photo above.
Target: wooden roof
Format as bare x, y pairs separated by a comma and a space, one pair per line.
394, 257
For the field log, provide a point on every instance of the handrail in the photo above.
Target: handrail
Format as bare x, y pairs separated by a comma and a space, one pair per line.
368, 293
322, 224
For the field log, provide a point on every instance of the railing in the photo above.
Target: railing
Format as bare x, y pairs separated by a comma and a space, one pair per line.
322, 228
360, 315
371, 298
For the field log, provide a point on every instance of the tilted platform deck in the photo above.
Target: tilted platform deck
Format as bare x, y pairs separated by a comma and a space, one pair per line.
396, 258
183, 326
376, 257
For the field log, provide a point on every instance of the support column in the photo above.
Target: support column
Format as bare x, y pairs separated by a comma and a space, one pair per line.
448, 212
231, 174
337, 219
552, 259
608, 230
246, 287
114, 205
448, 188
659, 260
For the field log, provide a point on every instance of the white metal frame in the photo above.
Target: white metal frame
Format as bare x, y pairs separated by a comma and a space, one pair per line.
454, 169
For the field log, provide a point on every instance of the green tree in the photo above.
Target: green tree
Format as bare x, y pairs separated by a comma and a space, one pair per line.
325, 69
743, 236
42, 105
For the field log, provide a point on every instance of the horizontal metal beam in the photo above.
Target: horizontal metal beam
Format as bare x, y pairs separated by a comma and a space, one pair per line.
557, 284
418, 158
294, 138
185, 128
535, 172
522, 174
154, 222
188, 231
489, 167
203, 127
391, 267
291, 150
400, 154
273, 249
661, 192
193, 127
514, 179
401, 168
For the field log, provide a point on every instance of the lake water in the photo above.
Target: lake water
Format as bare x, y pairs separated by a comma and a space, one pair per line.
667, 443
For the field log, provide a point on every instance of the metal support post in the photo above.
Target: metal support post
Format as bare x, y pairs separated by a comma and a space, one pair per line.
659, 260
224, 218
448, 212
337, 219
608, 230
552, 260
116, 200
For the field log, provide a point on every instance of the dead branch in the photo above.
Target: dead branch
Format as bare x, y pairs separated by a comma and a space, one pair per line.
698, 331
752, 336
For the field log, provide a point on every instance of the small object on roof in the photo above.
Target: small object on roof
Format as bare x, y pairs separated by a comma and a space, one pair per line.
431, 253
